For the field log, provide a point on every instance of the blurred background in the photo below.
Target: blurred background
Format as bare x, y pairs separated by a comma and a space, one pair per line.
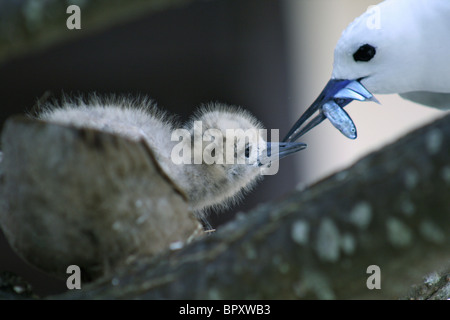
271, 57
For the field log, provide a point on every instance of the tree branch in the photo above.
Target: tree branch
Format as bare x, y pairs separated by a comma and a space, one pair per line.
390, 209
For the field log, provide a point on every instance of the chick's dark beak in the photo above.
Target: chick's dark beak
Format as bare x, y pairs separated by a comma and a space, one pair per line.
278, 150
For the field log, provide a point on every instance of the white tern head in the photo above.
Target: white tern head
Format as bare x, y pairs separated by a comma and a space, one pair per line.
405, 52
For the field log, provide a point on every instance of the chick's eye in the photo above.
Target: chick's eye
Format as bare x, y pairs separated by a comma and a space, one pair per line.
247, 152
365, 53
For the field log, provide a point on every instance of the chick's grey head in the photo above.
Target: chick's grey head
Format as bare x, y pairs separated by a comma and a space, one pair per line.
230, 154
241, 133
228, 164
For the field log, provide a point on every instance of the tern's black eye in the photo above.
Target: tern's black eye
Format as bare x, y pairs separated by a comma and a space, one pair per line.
365, 53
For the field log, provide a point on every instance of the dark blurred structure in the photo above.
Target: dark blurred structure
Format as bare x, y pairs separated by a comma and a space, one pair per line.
227, 51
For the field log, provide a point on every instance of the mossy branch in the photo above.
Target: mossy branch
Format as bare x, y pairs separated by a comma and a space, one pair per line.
390, 209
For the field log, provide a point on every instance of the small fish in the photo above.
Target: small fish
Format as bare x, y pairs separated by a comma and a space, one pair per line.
339, 119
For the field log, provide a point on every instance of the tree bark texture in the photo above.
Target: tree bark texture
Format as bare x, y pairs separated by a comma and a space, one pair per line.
390, 209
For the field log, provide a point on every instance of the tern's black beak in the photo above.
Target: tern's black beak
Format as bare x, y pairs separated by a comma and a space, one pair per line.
330, 103
278, 150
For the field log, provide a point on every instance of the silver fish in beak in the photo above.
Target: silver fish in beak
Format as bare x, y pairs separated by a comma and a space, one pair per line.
330, 104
